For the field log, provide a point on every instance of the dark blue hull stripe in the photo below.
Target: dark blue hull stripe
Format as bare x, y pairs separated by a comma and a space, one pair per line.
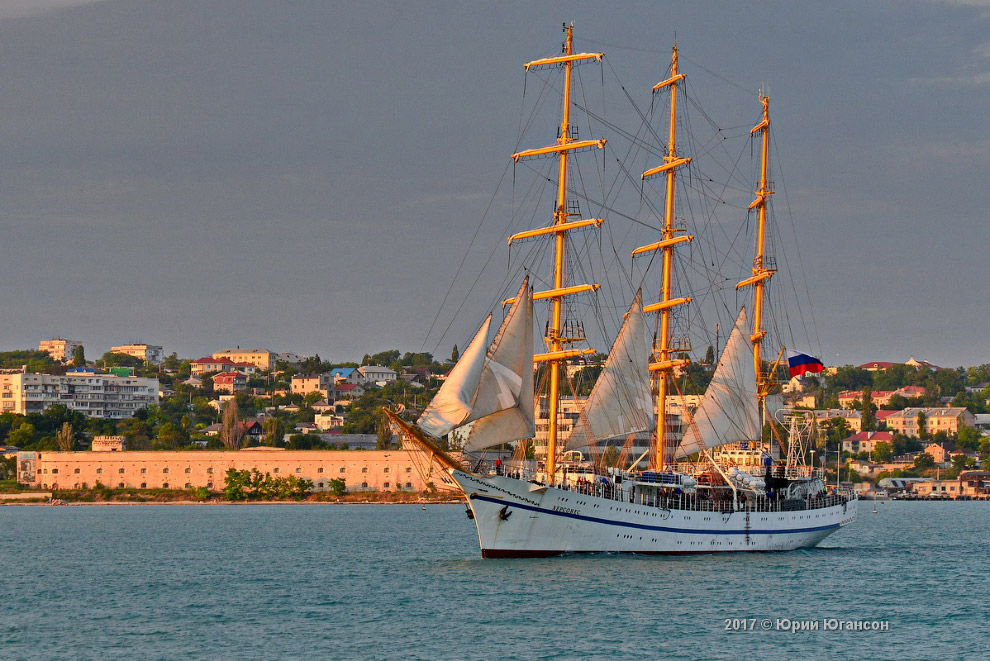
643, 526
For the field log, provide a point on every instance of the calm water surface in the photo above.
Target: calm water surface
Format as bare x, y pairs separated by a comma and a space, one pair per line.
387, 582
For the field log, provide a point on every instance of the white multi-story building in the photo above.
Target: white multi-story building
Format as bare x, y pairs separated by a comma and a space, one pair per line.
146, 352
377, 374
60, 348
94, 395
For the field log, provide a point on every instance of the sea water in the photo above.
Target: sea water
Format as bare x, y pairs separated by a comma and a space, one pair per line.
398, 582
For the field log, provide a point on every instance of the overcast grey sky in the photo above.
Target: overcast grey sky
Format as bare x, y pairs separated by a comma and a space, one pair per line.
305, 176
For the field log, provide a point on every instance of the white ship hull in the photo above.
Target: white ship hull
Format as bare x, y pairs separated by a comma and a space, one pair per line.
518, 519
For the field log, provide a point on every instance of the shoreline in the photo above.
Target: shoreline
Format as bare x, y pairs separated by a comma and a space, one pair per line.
66, 498
215, 503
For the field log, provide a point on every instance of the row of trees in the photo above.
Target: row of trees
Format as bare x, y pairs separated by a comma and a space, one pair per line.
253, 485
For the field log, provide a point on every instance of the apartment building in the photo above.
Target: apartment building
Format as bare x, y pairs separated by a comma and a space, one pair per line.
947, 419
263, 359
303, 384
149, 353
59, 348
94, 395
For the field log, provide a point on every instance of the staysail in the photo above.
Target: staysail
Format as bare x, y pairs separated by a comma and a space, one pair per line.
502, 409
621, 401
492, 389
451, 406
728, 411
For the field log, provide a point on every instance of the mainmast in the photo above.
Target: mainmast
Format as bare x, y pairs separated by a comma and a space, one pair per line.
761, 274
662, 452
557, 338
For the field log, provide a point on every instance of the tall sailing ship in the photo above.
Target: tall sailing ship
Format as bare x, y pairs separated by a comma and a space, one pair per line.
709, 484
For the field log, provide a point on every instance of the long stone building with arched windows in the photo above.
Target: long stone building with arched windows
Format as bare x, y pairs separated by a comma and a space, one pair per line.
361, 470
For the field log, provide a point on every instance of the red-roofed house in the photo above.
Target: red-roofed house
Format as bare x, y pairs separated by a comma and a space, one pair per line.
848, 398
207, 365
866, 441
877, 366
910, 392
882, 416
923, 363
230, 382
345, 390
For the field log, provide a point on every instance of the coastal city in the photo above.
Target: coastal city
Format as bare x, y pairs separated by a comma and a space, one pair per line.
140, 420
505, 330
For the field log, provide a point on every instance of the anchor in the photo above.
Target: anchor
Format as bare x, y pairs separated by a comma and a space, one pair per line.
504, 513
467, 510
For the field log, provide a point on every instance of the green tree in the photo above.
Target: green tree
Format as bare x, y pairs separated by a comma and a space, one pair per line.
273, 431
383, 431
710, 355
849, 377
960, 463
232, 432
79, 357
382, 358
924, 461
897, 403
883, 452
172, 362
110, 359
23, 436
65, 439
868, 410
236, 484
922, 421
137, 432
968, 439
337, 486
172, 436
302, 442
8, 468
836, 429
455, 355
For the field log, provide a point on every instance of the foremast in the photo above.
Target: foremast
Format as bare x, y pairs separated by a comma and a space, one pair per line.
761, 273
662, 365
556, 339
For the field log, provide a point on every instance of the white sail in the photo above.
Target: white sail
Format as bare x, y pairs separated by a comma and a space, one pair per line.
451, 406
502, 408
728, 411
621, 401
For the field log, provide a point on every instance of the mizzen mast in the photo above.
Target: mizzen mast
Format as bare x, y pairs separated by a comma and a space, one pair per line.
662, 452
558, 338
761, 273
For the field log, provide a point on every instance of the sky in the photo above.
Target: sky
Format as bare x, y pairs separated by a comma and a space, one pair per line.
306, 175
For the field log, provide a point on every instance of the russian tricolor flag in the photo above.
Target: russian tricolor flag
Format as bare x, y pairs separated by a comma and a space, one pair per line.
802, 363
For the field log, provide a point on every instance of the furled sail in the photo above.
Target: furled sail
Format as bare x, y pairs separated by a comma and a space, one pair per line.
621, 401
451, 406
502, 408
728, 411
